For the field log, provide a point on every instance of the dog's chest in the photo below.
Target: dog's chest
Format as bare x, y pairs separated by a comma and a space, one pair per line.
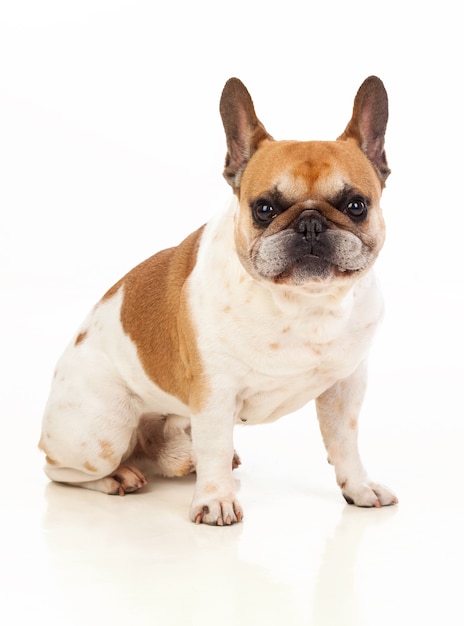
279, 356
287, 369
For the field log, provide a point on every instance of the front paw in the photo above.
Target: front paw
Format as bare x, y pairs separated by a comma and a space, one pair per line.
368, 495
215, 511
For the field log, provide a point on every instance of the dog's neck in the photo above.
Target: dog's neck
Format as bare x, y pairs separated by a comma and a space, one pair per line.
311, 298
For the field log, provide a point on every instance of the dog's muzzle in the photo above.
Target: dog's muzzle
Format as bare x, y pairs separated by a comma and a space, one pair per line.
309, 248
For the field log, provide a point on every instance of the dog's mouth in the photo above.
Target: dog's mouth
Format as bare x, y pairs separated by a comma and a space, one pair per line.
311, 267
290, 258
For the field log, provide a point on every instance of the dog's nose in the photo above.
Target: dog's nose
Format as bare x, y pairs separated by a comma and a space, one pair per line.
310, 224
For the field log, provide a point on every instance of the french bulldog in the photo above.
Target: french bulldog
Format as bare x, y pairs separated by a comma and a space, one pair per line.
271, 304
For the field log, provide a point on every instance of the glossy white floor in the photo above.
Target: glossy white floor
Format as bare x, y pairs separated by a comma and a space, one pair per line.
111, 148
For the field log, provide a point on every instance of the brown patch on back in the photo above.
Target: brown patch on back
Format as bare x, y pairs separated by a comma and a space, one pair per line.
155, 314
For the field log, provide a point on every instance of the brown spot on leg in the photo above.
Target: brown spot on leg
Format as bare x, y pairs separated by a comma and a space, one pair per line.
89, 467
106, 449
187, 468
80, 338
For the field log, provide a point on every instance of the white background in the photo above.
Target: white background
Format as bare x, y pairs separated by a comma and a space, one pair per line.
111, 148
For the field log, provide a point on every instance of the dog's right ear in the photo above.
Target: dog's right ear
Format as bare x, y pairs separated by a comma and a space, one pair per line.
244, 131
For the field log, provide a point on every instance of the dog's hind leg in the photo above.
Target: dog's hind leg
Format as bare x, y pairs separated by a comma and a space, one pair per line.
125, 479
89, 430
164, 446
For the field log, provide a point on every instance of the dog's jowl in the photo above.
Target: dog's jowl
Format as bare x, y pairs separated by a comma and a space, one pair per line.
271, 304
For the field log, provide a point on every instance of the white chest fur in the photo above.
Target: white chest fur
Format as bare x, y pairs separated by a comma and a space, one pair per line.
279, 347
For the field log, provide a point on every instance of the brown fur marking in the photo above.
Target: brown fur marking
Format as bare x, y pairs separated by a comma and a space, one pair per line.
154, 299
106, 449
80, 338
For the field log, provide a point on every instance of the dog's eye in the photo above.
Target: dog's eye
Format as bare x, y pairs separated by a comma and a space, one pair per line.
264, 213
356, 209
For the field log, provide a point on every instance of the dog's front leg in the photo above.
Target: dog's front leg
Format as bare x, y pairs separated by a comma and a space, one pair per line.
338, 411
214, 500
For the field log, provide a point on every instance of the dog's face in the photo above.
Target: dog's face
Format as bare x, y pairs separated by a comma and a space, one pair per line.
309, 211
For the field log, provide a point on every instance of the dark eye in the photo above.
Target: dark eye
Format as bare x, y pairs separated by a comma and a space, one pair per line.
356, 209
264, 213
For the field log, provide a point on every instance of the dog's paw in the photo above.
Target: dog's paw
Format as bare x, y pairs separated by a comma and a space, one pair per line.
368, 495
216, 512
125, 479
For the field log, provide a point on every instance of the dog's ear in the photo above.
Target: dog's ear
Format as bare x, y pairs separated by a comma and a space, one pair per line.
369, 122
244, 131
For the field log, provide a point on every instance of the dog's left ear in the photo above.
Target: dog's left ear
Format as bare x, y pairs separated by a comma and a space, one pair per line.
244, 131
369, 122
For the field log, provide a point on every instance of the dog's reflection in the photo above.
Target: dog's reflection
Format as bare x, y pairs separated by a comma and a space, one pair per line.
136, 557
336, 596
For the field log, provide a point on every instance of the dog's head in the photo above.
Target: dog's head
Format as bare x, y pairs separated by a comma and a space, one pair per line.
309, 211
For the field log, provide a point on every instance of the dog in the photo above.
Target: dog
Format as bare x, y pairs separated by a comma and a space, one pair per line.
271, 304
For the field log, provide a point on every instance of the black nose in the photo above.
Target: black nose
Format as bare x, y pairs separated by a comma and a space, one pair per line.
310, 224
